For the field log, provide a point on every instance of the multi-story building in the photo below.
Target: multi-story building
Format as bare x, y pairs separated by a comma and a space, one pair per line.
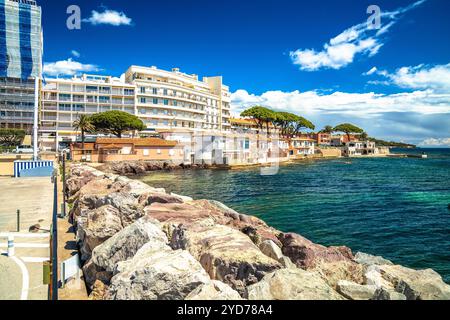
301, 146
175, 100
359, 148
163, 100
63, 100
20, 62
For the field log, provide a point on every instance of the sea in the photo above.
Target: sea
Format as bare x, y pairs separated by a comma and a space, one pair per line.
395, 208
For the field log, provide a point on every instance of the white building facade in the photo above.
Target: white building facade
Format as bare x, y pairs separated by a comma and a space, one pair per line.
163, 100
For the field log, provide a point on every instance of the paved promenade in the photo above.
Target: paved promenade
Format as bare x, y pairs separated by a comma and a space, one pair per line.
21, 276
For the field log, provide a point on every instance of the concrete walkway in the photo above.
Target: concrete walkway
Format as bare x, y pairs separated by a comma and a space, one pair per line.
34, 198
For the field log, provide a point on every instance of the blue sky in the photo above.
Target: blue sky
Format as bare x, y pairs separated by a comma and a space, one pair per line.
315, 58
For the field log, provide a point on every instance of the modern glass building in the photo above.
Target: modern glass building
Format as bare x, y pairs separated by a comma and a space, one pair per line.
20, 62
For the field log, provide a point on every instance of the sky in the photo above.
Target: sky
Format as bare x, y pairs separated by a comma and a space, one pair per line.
328, 60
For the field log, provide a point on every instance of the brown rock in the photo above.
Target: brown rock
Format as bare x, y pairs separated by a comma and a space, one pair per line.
148, 199
306, 254
225, 253
98, 226
98, 291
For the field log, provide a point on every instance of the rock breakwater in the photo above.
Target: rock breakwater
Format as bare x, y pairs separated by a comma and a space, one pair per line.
138, 242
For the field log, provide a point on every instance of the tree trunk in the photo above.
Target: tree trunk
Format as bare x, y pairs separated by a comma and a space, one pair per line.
82, 141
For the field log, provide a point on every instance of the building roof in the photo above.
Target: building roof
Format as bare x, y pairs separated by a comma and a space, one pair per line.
111, 147
138, 142
247, 122
303, 139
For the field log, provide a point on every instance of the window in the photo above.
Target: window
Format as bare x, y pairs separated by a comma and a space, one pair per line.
91, 89
155, 91
64, 97
155, 101
165, 92
104, 99
155, 111
143, 100
142, 111
166, 102
129, 92
175, 103
142, 89
64, 107
78, 107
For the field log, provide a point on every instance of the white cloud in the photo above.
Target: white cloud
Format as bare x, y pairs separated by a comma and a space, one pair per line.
341, 50
420, 77
109, 17
67, 67
370, 72
75, 53
405, 116
432, 142
360, 104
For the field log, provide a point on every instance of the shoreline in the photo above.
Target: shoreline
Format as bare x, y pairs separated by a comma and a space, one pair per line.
137, 168
182, 225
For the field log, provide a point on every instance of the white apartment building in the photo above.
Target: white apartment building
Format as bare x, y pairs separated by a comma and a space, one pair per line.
163, 100
63, 100
175, 100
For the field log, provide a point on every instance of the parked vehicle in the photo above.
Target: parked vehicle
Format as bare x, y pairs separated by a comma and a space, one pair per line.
24, 149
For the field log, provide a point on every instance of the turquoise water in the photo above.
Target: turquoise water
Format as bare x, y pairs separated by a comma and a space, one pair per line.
396, 208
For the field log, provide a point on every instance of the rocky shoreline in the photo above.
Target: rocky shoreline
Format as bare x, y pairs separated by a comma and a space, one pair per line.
141, 243
140, 167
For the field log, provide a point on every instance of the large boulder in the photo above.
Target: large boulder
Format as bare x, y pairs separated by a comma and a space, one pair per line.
126, 243
215, 290
292, 284
176, 213
87, 198
333, 272
306, 254
416, 284
225, 253
135, 187
157, 274
148, 199
368, 260
252, 226
270, 249
79, 177
354, 291
96, 227
128, 206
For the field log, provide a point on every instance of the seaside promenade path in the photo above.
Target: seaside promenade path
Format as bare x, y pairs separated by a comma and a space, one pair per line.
21, 276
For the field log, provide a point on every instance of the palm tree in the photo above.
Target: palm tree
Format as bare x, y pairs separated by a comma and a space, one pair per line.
83, 124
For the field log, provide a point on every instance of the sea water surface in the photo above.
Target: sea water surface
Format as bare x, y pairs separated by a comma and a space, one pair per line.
396, 208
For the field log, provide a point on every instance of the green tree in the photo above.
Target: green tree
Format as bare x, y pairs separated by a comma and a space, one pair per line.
348, 129
11, 137
84, 125
116, 122
327, 129
364, 136
285, 120
300, 124
261, 115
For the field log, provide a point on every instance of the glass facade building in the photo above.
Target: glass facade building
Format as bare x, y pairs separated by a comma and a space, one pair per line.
20, 62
